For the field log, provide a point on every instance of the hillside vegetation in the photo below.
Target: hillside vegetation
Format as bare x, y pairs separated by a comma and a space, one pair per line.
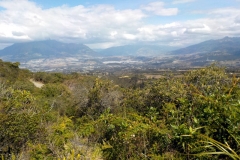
194, 116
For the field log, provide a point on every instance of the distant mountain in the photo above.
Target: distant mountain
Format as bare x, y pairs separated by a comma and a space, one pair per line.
44, 49
229, 45
136, 50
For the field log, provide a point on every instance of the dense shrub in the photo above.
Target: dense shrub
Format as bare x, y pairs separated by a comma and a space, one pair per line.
193, 116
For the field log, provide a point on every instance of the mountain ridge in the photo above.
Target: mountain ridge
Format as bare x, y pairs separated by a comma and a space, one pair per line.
135, 50
229, 45
44, 49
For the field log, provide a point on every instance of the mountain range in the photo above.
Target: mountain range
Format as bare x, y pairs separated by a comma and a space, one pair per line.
226, 48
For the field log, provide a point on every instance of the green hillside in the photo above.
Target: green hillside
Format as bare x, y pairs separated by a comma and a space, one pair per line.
193, 116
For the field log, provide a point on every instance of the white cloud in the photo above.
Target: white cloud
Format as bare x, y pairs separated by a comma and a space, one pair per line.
129, 36
158, 9
104, 45
102, 26
199, 29
182, 1
237, 19
223, 12
22, 19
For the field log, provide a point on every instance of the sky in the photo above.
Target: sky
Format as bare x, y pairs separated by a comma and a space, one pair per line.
102, 24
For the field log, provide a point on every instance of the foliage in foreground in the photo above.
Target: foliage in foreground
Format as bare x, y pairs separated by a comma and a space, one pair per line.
79, 117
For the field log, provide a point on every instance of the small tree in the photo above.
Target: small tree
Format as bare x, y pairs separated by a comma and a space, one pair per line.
19, 121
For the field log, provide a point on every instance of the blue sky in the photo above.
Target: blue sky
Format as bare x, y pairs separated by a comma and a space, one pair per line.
123, 4
107, 23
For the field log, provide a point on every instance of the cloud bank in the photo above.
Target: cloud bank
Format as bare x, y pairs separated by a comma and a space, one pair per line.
102, 26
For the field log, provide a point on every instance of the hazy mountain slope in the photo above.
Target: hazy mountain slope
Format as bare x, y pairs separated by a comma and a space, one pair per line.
136, 50
229, 45
44, 49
